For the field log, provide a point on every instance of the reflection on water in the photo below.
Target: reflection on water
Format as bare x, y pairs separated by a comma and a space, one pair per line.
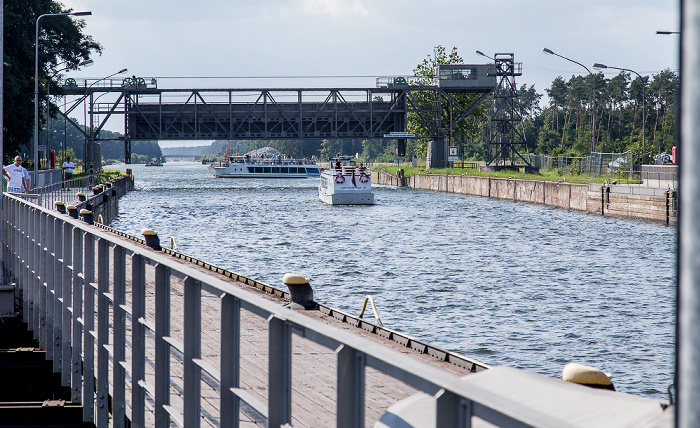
507, 284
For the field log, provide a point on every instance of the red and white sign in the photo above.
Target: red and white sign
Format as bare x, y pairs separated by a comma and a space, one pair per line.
453, 153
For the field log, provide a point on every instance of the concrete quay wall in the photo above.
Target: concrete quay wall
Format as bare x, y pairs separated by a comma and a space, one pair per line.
105, 202
627, 201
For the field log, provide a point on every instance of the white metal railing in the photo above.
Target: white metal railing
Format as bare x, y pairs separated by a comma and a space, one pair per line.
75, 282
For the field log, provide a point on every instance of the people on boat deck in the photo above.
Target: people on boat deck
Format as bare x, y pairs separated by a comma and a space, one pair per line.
337, 163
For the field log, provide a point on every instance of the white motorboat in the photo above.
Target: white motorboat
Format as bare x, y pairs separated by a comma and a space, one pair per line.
247, 167
344, 183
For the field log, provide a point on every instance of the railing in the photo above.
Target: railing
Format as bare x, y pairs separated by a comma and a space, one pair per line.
84, 306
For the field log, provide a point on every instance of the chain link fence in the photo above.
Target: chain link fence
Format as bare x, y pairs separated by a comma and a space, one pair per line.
618, 165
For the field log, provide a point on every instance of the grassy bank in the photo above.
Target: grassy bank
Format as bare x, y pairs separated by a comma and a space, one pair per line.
547, 176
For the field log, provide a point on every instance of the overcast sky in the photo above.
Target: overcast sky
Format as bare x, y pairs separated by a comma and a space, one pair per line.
273, 39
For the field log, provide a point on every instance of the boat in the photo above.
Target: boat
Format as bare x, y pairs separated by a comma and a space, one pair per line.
154, 162
248, 167
344, 183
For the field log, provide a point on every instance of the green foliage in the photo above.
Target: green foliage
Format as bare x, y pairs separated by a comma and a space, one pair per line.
61, 43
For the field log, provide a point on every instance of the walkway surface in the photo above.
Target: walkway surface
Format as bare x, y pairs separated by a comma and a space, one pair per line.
313, 367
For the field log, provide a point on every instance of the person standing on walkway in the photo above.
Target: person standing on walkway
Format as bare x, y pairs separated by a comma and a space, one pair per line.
17, 177
67, 171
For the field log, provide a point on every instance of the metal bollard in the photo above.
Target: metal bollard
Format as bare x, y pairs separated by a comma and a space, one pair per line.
81, 197
72, 211
300, 292
60, 207
96, 190
86, 215
152, 239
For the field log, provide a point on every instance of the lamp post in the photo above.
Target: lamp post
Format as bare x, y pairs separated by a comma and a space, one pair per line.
593, 139
644, 100
89, 141
85, 63
36, 87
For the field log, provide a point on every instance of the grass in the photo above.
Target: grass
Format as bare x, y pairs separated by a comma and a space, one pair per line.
105, 175
546, 176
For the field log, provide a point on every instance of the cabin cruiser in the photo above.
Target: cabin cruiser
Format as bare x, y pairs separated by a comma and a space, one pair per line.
344, 183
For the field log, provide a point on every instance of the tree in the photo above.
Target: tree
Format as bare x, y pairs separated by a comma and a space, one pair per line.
61, 43
416, 123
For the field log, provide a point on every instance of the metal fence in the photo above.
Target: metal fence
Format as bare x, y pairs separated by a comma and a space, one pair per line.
84, 295
613, 165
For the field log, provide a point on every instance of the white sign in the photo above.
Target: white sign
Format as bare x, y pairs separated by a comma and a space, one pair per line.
452, 153
399, 135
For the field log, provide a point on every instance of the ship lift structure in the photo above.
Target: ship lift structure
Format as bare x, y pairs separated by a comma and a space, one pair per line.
153, 113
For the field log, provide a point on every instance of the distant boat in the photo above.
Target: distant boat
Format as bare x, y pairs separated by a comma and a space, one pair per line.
343, 183
154, 162
247, 167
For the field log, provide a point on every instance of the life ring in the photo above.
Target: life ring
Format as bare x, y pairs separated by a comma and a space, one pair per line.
364, 178
339, 179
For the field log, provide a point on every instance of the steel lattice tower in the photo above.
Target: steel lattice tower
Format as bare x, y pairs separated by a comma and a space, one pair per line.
506, 132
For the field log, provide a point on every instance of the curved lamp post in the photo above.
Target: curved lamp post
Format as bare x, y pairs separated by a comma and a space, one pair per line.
644, 100
593, 139
86, 63
36, 87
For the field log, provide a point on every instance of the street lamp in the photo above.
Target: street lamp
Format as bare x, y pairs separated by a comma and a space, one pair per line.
644, 100
86, 63
483, 54
593, 139
36, 87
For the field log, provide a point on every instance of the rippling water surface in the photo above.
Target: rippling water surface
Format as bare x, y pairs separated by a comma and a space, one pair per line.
507, 284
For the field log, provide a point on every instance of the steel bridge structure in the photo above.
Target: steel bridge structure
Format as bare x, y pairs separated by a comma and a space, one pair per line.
152, 113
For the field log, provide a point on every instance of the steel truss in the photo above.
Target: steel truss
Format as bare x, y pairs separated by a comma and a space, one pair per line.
260, 114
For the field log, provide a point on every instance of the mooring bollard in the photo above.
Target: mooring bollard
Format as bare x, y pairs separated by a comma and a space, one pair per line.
81, 197
86, 215
72, 211
152, 239
96, 190
60, 207
300, 292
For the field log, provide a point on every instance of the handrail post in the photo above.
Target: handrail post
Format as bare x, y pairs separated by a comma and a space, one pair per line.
451, 411
102, 333
279, 372
58, 296
162, 361
77, 298
138, 340
192, 343
88, 327
230, 359
350, 403
65, 315
119, 335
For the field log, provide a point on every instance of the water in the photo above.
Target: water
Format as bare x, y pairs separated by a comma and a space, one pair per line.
507, 284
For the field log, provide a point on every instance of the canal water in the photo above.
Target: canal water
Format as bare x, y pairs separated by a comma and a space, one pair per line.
504, 283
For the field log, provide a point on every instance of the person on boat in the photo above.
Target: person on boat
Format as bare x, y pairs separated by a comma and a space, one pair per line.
337, 163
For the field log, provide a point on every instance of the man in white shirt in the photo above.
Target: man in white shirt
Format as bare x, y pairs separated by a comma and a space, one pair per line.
68, 171
17, 177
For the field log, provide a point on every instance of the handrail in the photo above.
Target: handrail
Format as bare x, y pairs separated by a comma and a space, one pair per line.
374, 309
74, 281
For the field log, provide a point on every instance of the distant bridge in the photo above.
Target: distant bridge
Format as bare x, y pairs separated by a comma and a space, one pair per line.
192, 156
264, 114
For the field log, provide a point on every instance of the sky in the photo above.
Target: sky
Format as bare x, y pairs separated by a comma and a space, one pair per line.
348, 43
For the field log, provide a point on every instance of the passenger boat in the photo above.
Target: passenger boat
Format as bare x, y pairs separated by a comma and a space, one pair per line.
344, 183
247, 167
